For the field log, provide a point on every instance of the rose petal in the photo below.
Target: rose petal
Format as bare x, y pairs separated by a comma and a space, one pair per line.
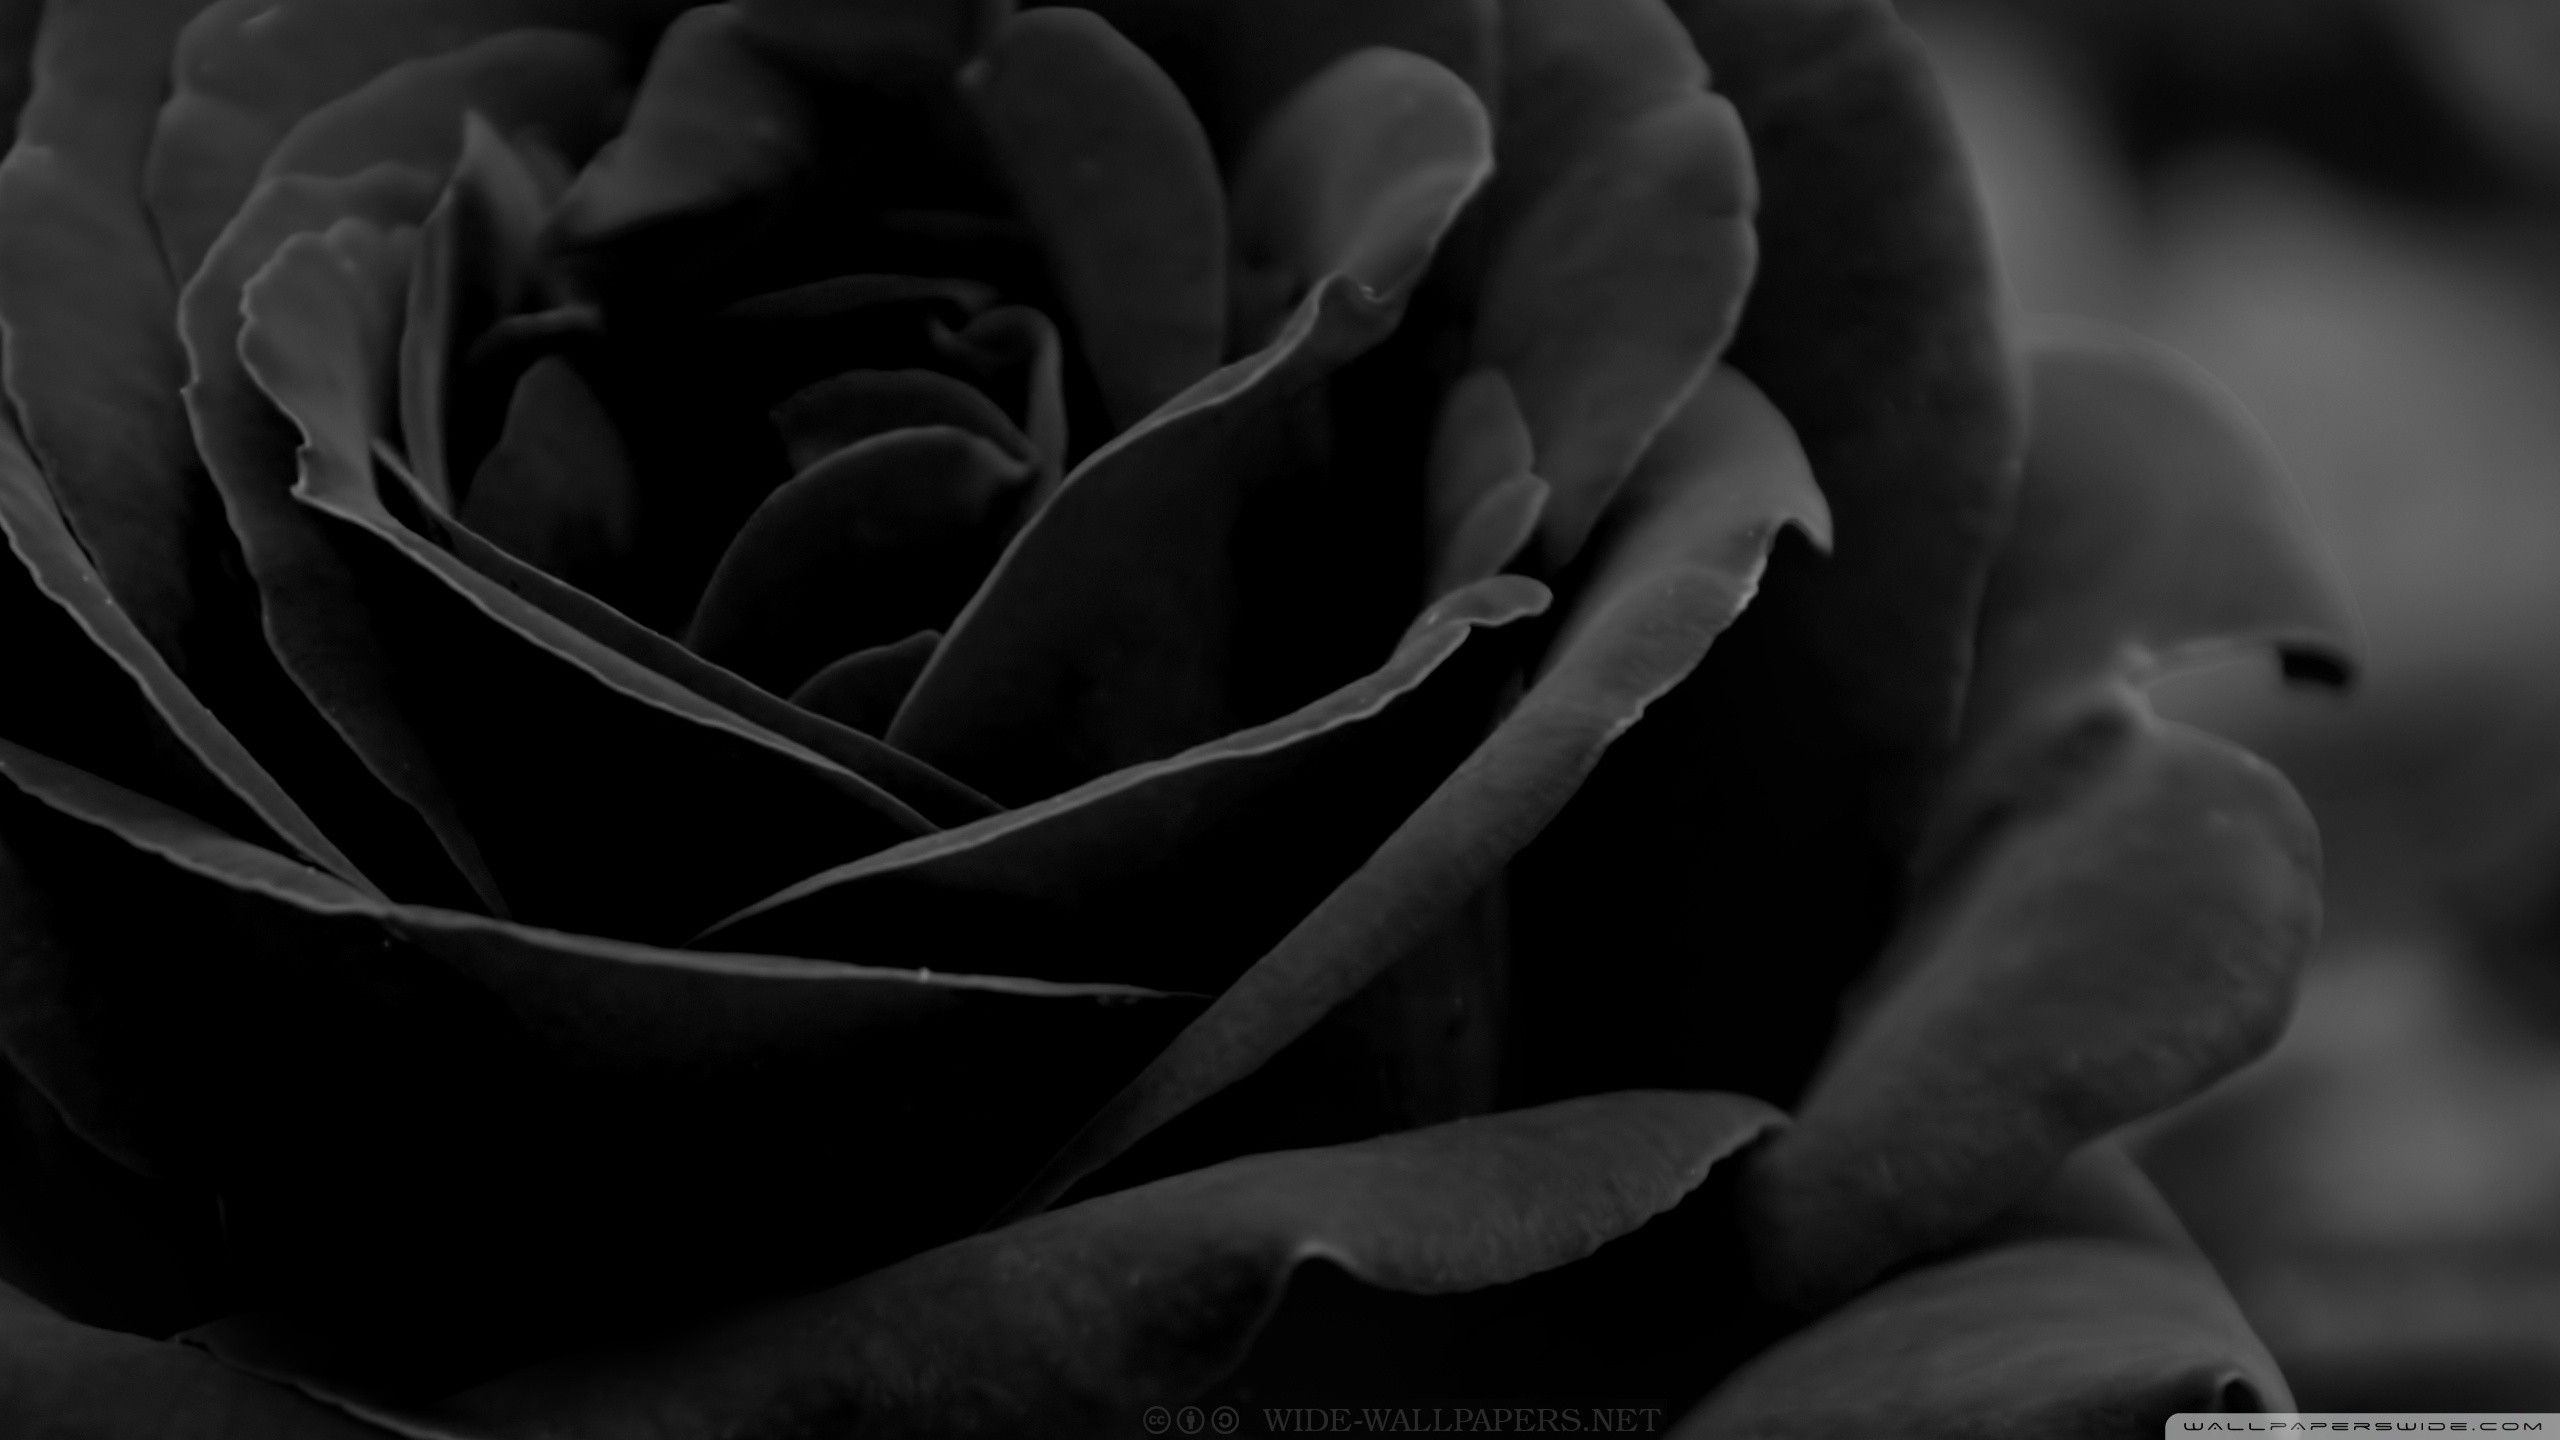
858, 39
1739, 859
714, 122
2110, 911
549, 777
863, 689
1179, 872
1614, 291
89, 1237
94, 691
1875, 325
2096, 1317
1686, 544
886, 536
89, 359
475, 262
65, 1381
2105, 952
1108, 634
323, 638
1073, 1322
1237, 63
932, 794
1340, 175
2154, 525
559, 85
1481, 504
247, 71
854, 406
1575, 73
557, 492
1492, 534
408, 1110
1013, 350
1115, 175
1480, 444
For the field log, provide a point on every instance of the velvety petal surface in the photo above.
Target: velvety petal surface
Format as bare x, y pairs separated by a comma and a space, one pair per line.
1619, 278
859, 41
557, 490
933, 795
1238, 63
323, 639
547, 780
1686, 544
2155, 525
1736, 862
2127, 933
88, 355
476, 263
1874, 325
1113, 172
509, 1113
60, 1380
852, 407
561, 88
1073, 1323
1120, 627
89, 687
2110, 911
714, 122
2090, 1315
1179, 872
247, 71
885, 537
864, 689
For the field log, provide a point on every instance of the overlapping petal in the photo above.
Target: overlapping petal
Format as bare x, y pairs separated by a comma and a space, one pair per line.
2090, 1313
1688, 541
1693, 917
89, 358
2110, 910
1092, 1313
883, 339
508, 1111
1120, 628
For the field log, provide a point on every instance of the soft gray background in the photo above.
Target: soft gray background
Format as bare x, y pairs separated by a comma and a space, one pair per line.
2350, 211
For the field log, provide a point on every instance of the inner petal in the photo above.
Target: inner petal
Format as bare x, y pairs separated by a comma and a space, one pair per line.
883, 538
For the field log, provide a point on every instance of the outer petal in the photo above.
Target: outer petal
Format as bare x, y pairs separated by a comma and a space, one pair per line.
2110, 911
142, 726
247, 71
1687, 543
2154, 529
1624, 242
407, 1110
90, 360
1179, 872
1693, 918
65, 1381
2102, 953
545, 786
2091, 1314
1112, 169
1239, 62
1072, 1323
1874, 325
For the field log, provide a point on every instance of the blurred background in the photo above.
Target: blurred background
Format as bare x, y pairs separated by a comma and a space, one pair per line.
2349, 210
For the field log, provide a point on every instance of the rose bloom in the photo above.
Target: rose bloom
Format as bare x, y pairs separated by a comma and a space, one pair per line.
827, 717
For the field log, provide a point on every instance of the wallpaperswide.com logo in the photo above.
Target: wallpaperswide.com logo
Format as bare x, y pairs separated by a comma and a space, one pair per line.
2361, 1422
